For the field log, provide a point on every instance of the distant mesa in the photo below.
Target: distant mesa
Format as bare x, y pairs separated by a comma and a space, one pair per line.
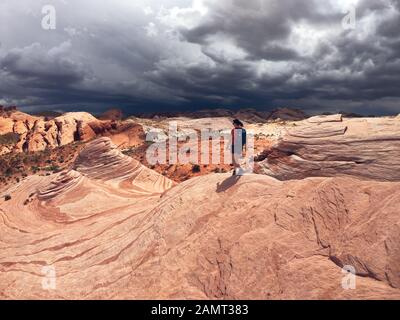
287, 114
352, 114
249, 115
112, 114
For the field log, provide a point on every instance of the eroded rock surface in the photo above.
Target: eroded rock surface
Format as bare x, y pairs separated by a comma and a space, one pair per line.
112, 229
332, 146
39, 133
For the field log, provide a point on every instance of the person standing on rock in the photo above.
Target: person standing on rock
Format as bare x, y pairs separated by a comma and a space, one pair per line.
238, 145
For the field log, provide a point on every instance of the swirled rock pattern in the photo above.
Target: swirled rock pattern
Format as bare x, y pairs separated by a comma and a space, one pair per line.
102, 160
111, 229
331, 146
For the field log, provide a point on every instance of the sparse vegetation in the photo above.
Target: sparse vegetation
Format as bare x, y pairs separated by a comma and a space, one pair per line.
196, 168
53, 168
9, 139
35, 169
220, 170
128, 152
8, 172
14, 166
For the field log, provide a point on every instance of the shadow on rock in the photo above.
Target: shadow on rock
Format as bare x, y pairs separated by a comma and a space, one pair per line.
227, 183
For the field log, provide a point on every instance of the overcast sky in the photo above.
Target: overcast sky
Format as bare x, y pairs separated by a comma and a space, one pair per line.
145, 55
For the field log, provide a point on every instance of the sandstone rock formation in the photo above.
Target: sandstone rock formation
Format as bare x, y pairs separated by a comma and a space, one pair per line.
102, 160
70, 124
124, 134
39, 133
111, 229
332, 146
6, 125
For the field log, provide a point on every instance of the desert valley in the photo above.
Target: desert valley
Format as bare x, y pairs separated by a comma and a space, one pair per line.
81, 206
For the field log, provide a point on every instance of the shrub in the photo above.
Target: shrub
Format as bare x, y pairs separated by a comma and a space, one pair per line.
35, 168
53, 168
10, 138
8, 172
196, 168
7, 197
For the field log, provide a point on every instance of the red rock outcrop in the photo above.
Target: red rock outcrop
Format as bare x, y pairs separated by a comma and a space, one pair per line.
123, 134
332, 146
68, 126
37, 133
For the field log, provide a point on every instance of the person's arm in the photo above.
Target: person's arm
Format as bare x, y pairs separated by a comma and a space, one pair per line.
229, 144
244, 137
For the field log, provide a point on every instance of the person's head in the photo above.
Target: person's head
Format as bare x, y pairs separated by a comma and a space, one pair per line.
237, 123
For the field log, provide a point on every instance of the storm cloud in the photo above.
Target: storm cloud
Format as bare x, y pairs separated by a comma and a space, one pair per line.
145, 56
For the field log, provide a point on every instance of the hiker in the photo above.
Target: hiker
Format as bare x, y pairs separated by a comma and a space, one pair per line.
238, 144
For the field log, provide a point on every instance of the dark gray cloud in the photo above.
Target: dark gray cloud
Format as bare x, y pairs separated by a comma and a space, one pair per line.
182, 54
